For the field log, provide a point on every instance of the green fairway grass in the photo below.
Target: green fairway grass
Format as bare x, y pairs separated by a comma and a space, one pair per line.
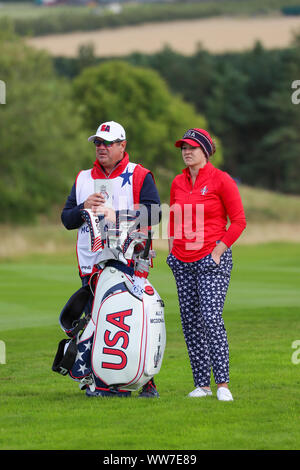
42, 410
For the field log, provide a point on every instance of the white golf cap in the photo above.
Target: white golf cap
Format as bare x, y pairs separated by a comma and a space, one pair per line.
110, 131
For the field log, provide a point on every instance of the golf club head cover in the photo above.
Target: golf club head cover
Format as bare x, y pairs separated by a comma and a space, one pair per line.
96, 226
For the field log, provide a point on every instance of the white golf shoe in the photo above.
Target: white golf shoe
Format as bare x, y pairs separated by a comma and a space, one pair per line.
200, 392
224, 394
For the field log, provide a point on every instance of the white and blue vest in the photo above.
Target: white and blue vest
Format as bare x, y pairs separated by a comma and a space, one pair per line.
123, 194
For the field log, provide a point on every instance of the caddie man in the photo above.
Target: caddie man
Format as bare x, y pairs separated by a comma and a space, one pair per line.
131, 185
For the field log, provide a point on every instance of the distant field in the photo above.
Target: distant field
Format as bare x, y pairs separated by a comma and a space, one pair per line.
215, 34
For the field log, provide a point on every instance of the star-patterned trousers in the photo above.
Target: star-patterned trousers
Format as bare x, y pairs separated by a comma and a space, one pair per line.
202, 287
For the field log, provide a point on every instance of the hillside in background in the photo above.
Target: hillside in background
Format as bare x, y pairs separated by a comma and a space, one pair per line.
36, 20
271, 217
217, 35
264, 206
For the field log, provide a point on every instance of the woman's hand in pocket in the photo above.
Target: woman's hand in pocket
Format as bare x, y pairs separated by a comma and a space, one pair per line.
216, 258
217, 252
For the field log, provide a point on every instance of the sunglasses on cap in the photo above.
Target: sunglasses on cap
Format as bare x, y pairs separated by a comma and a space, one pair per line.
106, 143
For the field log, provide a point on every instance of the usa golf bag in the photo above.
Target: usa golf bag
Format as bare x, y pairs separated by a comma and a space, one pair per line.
120, 344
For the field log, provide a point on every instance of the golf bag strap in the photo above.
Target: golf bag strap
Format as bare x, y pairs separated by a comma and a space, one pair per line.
63, 362
81, 325
72, 311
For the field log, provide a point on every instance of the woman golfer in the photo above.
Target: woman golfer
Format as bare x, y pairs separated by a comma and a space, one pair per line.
202, 200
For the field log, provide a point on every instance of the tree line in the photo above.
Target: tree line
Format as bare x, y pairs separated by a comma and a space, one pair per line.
53, 105
47, 119
246, 98
247, 101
